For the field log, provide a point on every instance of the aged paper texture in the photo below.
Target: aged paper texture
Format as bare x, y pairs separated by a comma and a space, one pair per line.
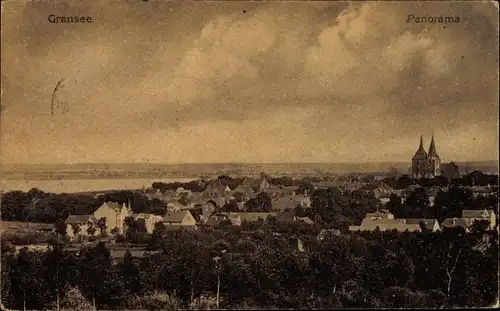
240, 154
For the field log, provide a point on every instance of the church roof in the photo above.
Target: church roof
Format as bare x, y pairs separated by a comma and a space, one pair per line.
420, 154
432, 149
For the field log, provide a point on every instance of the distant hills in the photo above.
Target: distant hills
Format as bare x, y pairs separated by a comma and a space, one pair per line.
133, 170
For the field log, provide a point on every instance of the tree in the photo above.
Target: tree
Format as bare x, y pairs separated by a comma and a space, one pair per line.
61, 227
76, 229
91, 229
95, 273
140, 226
245, 246
101, 224
305, 188
5, 274
58, 271
451, 203
394, 203
231, 206
404, 182
239, 196
74, 300
418, 201
130, 274
27, 289
261, 203
153, 301
451, 264
184, 200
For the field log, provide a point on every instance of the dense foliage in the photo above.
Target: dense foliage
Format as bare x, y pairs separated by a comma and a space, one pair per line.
259, 266
262, 270
38, 206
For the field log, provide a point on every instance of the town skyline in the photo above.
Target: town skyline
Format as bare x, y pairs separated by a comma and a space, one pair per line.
238, 82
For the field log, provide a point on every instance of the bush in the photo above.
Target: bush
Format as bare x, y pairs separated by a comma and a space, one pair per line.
153, 301
74, 300
204, 303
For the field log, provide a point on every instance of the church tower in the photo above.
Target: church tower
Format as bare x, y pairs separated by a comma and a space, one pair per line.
434, 161
419, 161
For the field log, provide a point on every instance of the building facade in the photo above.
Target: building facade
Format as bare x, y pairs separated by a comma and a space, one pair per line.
426, 164
114, 214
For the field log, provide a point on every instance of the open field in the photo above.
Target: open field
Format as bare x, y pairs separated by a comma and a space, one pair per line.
23, 227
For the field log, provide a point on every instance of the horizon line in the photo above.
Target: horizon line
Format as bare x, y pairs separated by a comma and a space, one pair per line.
240, 163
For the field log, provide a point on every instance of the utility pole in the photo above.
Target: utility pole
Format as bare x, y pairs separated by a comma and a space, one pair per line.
218, 287
217, 268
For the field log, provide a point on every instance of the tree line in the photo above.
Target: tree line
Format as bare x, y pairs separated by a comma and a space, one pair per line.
262, 270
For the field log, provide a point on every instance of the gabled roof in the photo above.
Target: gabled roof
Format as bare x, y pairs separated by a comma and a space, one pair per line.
282, 204
325, 184
386, 226
80, 219
477, 213
243, 188
428, 223
383, 222
285, 216
176, 217
323, 233
264, 184
214, 185
454, 222
113, 205
353, 186
384, 215
144, 216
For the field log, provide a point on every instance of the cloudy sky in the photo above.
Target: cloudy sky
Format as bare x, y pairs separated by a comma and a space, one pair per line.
247, 82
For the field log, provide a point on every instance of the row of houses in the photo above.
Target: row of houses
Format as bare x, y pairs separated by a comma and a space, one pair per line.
385, 221
110, 218
237, 219
215, 192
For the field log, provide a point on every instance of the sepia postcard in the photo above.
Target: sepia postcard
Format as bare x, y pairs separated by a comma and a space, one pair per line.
196, 155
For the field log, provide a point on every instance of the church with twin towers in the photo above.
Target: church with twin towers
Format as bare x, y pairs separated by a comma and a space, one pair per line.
426, 164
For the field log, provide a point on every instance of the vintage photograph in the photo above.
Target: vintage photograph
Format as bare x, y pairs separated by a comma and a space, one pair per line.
197, 155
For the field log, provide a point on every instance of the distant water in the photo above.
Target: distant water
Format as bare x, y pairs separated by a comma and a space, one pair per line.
85, 185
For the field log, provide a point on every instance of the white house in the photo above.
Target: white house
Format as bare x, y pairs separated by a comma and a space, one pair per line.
78, 225
469, 216
114, 214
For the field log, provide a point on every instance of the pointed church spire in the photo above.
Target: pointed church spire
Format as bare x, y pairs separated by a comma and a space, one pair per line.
432, 148
420, 154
